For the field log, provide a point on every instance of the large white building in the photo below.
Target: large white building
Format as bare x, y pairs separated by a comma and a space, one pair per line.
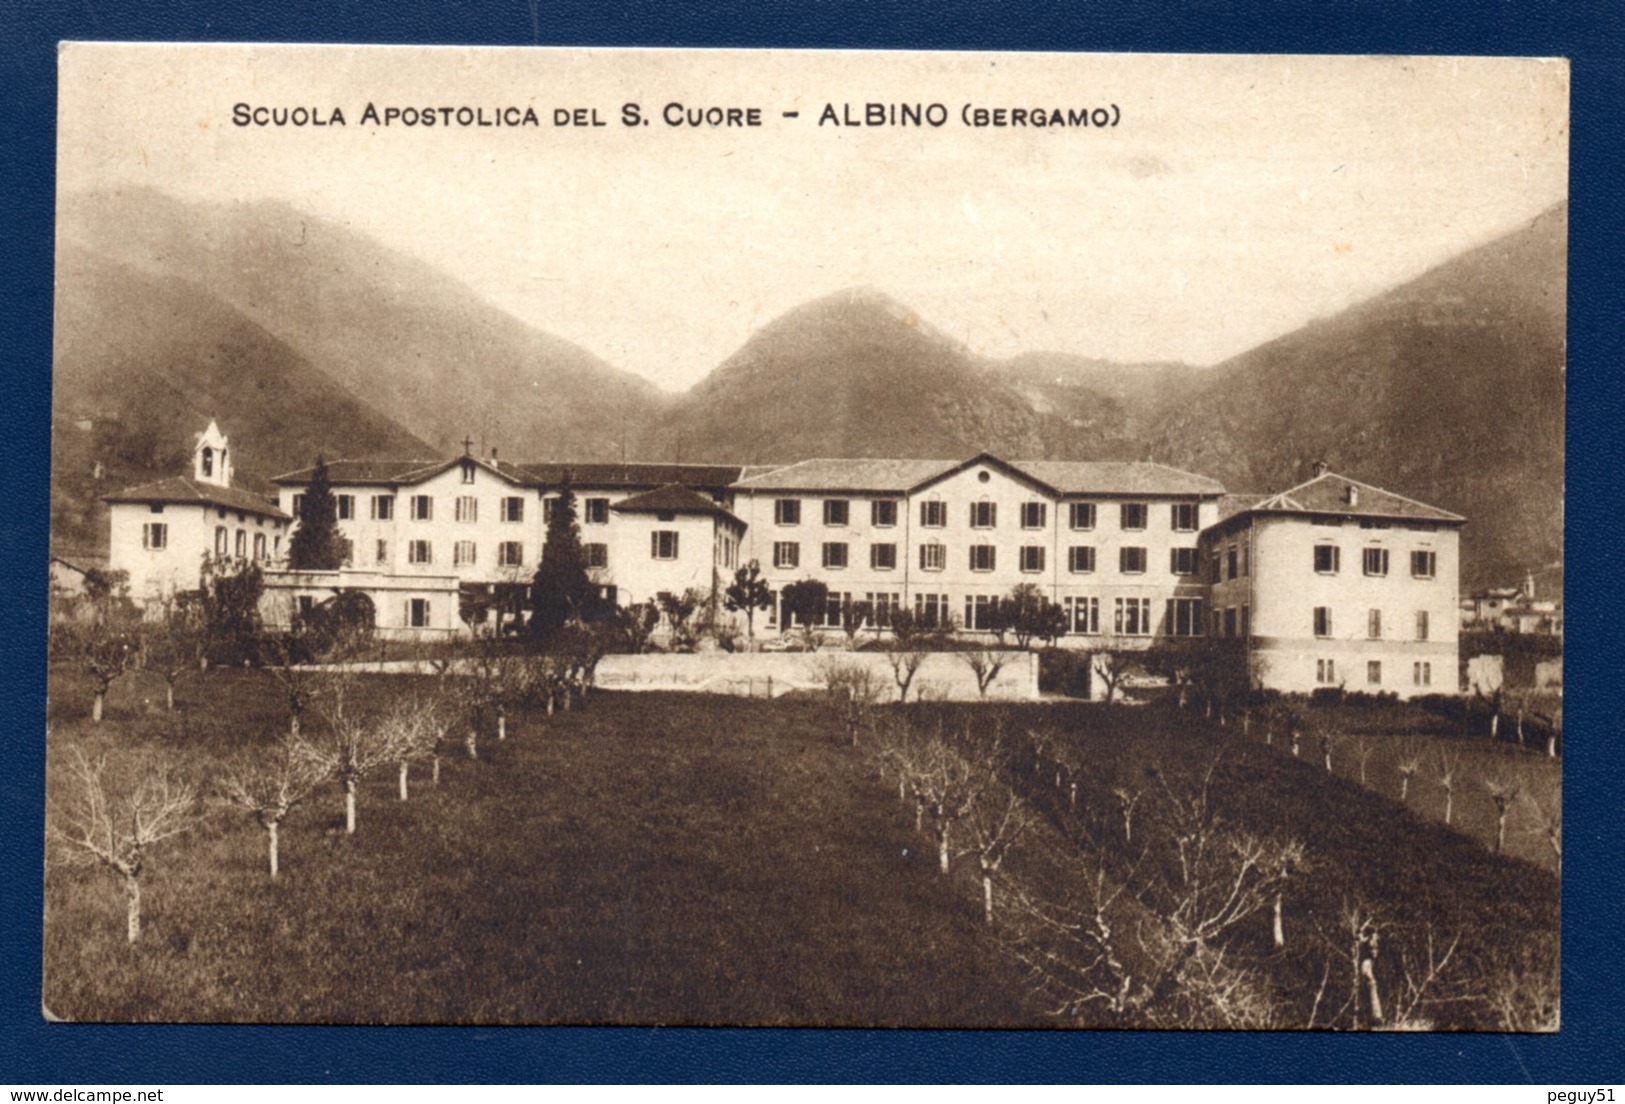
1332, 583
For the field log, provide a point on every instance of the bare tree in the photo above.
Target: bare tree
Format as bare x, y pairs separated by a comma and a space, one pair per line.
1363, 750
355, 744
107, 650
1110, 662
995, 824
1126, 800
1549, 824
905, 664
1504, 789
946, 785
268, 783
92, 827
176, 642
985, 664
1409, 762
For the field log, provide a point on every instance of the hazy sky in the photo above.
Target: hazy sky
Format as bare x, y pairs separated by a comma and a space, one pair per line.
1236, 199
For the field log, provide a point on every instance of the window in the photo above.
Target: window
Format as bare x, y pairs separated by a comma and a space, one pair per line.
663, 544
221, 540
1032, 557
468, 471
1184, 617
1080, 559
259, 546
836, 603
593, 554
1231, 561
1034, 515
982, 557
1375, 561
933, 515
419, 552
978, 611
513, 508
1323, 620
1246, 557
786, 554
1421, 624
208, 460
298, 510
240, 547
381, 552
417, 613
383, 507
1373, 624
155, 535
1230, 621
1373, 672
595, 511
548, 506
837, 511
1133, 616
1084, 614
933, 557
883, 557
1326, 671
1328, 559
462, 553
422, 508
884, 604
1424, 565
1182, 561
346, 506
883, 513
1082, 515
1184, 517
1131, 561
1422, 674
835, 553
511, 554
468, 508
1246, 621
984, 515
787, 511
931, 609
1134, 515
1375, 523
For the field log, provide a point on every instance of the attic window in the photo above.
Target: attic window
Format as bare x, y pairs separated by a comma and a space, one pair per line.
665, 515
1351, 495
982, 477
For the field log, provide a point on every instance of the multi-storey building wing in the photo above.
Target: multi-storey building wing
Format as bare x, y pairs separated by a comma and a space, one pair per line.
1115, 543
1336, 583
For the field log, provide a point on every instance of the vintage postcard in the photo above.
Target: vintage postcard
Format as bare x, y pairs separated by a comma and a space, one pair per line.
566, 536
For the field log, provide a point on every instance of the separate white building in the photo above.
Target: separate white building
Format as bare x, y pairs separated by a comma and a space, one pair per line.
1336, 583
161, 533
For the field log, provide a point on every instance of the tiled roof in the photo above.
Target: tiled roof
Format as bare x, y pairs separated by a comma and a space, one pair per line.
369, 471
180, 489
848, 475
551, 474
1118, 477
671, 499
1232, 504
1329, 493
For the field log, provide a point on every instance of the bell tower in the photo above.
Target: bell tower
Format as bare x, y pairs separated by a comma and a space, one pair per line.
211, 460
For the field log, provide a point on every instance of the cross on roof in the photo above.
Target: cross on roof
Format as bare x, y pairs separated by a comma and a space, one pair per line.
468, 446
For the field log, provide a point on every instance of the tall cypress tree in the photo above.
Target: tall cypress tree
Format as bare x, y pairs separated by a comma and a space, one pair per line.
561, 589
317, 544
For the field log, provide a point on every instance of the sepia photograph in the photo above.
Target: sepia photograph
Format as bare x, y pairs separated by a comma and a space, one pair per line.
564, 536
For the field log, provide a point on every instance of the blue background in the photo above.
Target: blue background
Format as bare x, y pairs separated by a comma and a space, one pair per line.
1586, 1051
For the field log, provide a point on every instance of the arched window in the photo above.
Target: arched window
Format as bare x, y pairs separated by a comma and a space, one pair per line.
208, 460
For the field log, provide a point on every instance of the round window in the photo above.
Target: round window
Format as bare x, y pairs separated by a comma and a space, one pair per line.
983, 477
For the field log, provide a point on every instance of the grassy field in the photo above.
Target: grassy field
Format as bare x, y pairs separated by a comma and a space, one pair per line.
678, 859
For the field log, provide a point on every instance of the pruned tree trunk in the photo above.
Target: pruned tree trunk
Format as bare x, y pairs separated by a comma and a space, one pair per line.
1551, 744
919, 817
1279, 931
434, 770
1500, 829
169, 695
502, 726
472, 744
349, 806
132, 897
1072, 797
1495, 724
1404, 786
293, 725
942, 848
405, 766
271, 833
1449, 804
987, 896
96, 705
1328, 756
1369, 973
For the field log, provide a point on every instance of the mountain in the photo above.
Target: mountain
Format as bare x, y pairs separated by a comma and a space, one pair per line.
1448, 388
1072, 386
143, 361
427, 351
859, 374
